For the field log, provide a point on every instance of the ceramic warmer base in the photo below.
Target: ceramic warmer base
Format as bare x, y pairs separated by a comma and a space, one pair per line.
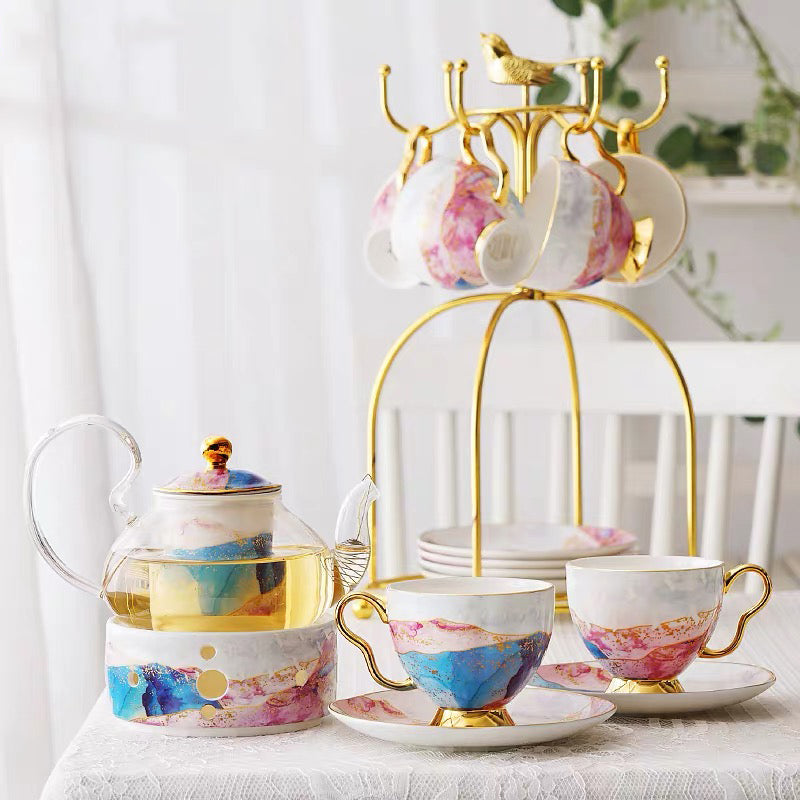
264, 730
221, 684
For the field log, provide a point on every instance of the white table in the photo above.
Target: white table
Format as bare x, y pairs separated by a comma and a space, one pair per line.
747, 751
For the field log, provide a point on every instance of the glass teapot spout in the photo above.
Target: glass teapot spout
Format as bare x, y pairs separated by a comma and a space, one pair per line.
352, 550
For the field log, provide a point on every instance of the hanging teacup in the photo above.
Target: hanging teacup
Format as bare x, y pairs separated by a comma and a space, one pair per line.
378, 253
580, 227
442, 212
652, 191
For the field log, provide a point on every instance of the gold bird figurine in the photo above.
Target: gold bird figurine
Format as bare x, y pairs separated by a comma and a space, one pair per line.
504, 67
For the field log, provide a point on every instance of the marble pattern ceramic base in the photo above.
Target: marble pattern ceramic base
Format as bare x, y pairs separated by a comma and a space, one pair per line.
246, 681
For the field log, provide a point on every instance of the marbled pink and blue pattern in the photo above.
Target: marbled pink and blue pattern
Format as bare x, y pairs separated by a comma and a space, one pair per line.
165, 695
465, 667
217, 480
611, 239
649, 652
440, 214
590, 232
448, 240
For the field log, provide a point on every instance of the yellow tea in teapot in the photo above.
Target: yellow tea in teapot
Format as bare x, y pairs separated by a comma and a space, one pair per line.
289, 588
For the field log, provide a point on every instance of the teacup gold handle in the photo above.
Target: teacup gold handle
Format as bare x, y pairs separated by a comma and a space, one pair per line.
503, 181
410, 152
601, 150
363, 645
727, 580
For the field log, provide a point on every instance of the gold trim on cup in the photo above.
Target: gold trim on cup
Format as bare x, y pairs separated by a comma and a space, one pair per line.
575, 564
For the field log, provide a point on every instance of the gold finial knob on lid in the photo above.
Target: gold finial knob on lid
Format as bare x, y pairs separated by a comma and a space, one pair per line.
217, 450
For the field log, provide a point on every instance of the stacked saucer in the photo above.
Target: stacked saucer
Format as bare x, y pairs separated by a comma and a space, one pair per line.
519, 550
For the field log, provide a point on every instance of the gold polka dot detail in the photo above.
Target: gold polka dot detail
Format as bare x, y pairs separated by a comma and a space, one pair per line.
300, 677
212, 684
208, 651
133, 679
207, 711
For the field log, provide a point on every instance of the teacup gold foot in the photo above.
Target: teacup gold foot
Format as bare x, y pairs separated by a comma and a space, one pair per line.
623, 686
456, 718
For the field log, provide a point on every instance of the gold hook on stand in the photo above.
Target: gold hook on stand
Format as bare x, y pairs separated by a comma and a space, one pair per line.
461, 114
597, 65
384, 71
662, 65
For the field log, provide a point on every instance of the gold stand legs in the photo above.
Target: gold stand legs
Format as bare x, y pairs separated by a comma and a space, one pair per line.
455, 718
504, 300
377, 389
622, 686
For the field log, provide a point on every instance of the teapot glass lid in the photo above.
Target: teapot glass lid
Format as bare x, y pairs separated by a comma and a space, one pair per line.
217, 478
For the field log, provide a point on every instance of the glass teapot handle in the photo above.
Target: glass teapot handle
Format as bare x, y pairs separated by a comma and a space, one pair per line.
116, 499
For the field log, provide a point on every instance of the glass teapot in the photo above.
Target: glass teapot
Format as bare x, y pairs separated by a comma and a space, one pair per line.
218, 550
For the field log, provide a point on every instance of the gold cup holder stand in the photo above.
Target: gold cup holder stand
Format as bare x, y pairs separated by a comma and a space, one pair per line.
525, 123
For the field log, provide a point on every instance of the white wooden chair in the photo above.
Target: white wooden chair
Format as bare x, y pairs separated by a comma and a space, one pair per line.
617, 380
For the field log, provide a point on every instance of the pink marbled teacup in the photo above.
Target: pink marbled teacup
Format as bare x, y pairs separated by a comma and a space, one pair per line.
581, 230
440, 215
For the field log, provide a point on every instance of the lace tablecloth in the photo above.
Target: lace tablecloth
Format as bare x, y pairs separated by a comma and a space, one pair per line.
747, 751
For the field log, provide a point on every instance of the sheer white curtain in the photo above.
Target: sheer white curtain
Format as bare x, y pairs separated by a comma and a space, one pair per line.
183, 190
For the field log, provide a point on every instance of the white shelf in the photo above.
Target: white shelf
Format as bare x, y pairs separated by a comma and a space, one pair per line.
745, 190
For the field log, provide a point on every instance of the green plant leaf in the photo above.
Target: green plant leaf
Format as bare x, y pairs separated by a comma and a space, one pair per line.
723, 161
773, 333
609, 84
717, 154
554, 92
610, 141
754, 420
626, 51
704, 124
572, 7
607, 10
677, 147
797, 427
733, 133
629, 98
770, 158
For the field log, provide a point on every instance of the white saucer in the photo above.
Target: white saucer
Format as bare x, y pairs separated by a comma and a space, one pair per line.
540, 715
553, 569
439, 571
560, 581
707, 685
537, 541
